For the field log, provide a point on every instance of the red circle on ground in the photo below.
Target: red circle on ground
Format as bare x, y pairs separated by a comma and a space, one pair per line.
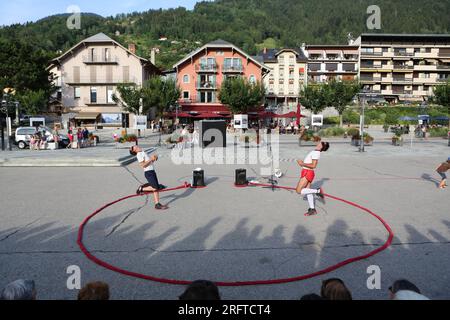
339, 265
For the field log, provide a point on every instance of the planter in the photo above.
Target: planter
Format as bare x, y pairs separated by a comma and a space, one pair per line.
397, 142
309, 143
126, 145
356, 142
52, 145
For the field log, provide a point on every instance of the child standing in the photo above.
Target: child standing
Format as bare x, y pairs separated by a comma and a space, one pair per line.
441, 170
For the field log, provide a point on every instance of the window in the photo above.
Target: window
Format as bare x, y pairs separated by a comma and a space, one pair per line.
77, 93
109, 95
207, 97
252, 79
93, 95
232, 64
186, 78
186, 95
92, 55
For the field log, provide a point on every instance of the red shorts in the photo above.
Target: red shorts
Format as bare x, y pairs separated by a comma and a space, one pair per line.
308, 174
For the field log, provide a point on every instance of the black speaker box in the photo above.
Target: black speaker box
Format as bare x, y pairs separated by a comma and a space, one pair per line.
199, 179
241, 177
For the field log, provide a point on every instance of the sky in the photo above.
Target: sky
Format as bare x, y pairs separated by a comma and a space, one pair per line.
21, 11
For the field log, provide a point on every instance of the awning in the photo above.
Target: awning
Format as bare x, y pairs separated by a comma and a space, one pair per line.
87, 116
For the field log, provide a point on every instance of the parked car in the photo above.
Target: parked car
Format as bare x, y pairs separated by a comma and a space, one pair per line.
23, 135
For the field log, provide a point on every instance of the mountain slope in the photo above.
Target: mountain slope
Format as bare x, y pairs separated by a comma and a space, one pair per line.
249, 24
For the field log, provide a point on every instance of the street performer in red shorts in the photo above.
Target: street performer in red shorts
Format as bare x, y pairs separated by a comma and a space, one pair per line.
307, 177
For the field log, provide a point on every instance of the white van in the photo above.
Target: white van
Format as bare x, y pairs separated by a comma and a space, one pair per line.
23, 136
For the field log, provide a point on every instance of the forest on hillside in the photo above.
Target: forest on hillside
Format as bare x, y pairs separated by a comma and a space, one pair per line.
249, 24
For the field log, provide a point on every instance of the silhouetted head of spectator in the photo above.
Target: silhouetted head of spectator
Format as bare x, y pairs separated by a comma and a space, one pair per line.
405, 290
335, 289
94, 291
19, 290
311, 297
201, 290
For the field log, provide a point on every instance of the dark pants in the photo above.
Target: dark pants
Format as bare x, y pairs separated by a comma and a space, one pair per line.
152, 179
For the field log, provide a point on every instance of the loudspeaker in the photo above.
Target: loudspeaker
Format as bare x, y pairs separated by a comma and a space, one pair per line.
241, 177
199, 179
213, 134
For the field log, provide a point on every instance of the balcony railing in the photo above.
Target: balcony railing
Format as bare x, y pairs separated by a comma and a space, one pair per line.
403, 67
99, 80
100, 60
370, 79
443, 66
206, 68
443, 79
402, 81
205, 85
403, 54
232, 69
377, 54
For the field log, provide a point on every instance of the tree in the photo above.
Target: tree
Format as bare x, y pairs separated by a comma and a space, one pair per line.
442, 96
129, 98
240, 95
161, 94
341, 94
315, 98
33, 102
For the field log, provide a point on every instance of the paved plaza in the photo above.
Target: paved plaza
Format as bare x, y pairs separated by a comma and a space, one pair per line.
223, 233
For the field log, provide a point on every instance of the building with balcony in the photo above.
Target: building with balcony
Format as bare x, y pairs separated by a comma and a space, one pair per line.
332, 62
87, 76
403, 67
288, 75
200, 75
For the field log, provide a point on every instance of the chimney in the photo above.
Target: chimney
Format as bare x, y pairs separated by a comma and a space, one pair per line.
132, 48
153, 56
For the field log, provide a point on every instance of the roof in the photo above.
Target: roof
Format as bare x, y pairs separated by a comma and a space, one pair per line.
272, 54
219, 43
405, 36
100, 38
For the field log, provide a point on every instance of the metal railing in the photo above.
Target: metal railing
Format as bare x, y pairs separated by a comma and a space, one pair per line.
98, 80
206, 67
102, 59
226, 68
205, 84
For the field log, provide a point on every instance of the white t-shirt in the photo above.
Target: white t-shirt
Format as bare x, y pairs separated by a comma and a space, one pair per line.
313, 155
143, 157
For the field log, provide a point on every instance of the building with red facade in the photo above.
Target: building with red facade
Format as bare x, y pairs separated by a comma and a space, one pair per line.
201, 73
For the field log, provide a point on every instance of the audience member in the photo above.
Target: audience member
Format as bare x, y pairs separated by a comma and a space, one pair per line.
405, 290
94, 291
19, 290
335, 289
201, 290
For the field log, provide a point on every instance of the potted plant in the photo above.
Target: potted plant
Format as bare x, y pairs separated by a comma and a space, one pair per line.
397, 139
386, 128
368, 139
356, 137
309, 138
126, 141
